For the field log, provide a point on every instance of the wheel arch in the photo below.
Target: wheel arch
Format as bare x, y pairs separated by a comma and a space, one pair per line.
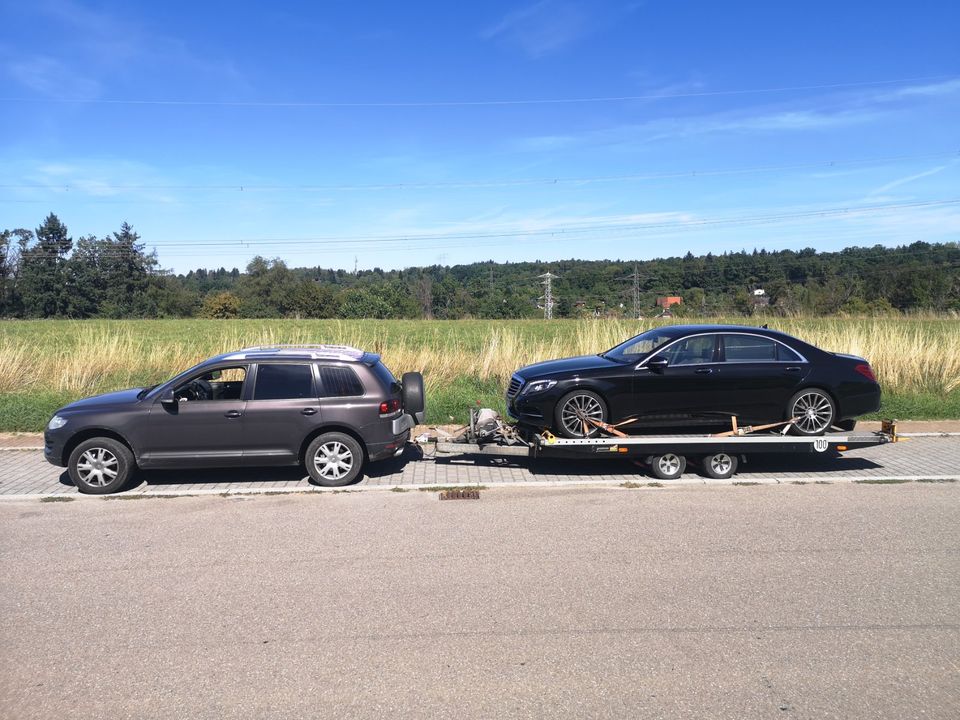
346, 430
90, 433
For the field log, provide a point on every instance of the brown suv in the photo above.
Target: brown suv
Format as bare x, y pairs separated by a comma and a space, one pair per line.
328, 407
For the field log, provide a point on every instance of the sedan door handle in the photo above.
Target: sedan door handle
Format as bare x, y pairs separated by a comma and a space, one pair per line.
308, 411
232, 414
704, 371
791, 369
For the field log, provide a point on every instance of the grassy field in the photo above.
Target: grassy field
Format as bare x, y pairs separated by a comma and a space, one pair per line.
45, 364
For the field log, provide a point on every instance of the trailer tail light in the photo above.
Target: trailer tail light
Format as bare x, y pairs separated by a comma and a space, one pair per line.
866, 371
389, 406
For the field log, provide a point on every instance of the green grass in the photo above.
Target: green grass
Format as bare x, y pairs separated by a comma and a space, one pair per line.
45, 364
57, 498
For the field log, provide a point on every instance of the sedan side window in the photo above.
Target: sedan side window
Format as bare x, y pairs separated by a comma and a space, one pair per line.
283, 381
749, 348
694, 350
219, 384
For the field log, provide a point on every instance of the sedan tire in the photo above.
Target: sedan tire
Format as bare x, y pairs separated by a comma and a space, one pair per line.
100, 466
814, 411
334, 459
568, 412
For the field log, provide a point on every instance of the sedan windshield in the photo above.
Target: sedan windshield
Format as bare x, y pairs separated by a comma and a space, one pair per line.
636, 348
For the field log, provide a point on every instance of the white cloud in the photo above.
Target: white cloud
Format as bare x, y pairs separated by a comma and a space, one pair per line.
105, 47
542, 28
51, 77
639, 134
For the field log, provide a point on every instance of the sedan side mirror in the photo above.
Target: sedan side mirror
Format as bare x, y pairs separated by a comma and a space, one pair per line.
658, 364
168, 398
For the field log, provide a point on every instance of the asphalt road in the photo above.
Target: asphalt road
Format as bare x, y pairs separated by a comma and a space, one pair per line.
779, 601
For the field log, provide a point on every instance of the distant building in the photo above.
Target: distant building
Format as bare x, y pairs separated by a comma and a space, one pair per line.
668, 301
760, 298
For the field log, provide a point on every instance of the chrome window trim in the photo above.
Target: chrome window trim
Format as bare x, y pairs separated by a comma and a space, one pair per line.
659, 350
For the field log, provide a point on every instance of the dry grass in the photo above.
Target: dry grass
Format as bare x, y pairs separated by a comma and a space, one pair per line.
83, 357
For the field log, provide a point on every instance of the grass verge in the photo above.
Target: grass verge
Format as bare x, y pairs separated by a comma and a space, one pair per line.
449, 403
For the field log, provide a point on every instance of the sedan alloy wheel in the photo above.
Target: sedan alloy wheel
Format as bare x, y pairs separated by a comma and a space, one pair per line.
813, 412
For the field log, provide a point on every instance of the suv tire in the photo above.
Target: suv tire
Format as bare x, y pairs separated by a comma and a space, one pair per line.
100, 465
334, 459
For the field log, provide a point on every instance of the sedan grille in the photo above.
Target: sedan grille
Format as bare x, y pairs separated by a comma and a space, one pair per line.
513, 389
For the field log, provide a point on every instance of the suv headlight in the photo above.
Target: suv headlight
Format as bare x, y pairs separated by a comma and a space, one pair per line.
56, 422
538, 386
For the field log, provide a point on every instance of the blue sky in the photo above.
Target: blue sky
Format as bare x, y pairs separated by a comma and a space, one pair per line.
416, 133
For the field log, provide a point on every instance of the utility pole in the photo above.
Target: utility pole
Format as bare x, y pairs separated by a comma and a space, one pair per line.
636, 292
354, 265
547, 296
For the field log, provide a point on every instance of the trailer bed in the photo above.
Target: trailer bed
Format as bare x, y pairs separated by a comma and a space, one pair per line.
653, 449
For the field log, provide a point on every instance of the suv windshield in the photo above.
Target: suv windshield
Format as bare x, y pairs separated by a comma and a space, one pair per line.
636, 348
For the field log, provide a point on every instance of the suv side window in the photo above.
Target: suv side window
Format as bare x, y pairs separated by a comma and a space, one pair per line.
220, 384
339, 382
694, 350
283, 381
749, 348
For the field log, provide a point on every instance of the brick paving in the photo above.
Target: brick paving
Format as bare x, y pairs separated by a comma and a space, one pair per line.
25, 472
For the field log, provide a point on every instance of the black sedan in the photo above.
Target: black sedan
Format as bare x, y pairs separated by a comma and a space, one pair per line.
686, 375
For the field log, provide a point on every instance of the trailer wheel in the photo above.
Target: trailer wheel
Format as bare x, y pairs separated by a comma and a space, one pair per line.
668, 466
719, 466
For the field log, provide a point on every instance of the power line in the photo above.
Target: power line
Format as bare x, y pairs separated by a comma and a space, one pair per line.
77, 186
468, 103
571, 228
571, 231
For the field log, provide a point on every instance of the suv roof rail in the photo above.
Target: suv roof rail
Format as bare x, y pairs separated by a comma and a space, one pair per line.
319, 351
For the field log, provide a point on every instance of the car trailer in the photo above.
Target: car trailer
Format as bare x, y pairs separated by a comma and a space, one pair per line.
666, 456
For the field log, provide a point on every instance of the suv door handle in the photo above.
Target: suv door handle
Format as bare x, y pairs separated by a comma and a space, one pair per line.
308, 411
232, 414
704, 371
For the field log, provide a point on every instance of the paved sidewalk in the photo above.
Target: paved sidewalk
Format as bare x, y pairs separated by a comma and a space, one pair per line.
25, 472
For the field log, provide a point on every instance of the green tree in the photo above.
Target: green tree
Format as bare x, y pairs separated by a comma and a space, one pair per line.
42, 284
221, 306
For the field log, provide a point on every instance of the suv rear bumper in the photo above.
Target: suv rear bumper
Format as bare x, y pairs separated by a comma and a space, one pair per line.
384, 450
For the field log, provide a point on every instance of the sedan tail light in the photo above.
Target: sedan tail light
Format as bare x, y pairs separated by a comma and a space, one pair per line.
389, 406
866, 371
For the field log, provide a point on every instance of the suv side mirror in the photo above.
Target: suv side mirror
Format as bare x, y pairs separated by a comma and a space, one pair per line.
658, 364
168, 398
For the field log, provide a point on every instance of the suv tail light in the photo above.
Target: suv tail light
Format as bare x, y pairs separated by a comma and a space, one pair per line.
389, 406
866, 371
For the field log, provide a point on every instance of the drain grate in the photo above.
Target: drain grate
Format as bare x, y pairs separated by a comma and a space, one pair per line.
460, 494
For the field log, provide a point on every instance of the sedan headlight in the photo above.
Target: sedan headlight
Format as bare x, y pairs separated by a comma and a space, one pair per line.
539, 386
56, 422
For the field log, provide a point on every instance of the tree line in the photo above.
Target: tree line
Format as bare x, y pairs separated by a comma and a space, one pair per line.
45, 273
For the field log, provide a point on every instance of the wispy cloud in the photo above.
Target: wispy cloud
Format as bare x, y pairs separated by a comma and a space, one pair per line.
908, 179
947, 87
105, 48
640, 134
541, 28
51, 77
